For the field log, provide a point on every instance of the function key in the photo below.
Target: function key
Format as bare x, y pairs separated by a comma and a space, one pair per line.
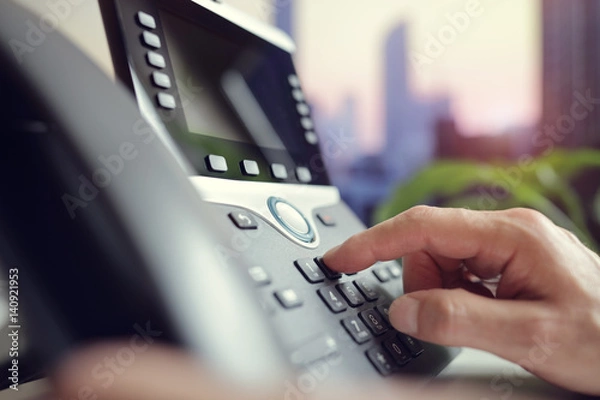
303, 174
249, 168
311, 137
259, 275
294, 81
329, 273
368, 288
397, 350
381, 360
382, 273
374, 321
356, 329
310, 270
166, 101
146, 20
156, 60
326, 219
151, 40
351, 294
216, 163
332, 299
307, 123
288, 298
243, 220
413, 345
279, 171
161, 80
303, 109
395, 270
298, 95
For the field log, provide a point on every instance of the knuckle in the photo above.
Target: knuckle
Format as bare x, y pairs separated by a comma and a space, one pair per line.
439, 317
418, 213
528, 216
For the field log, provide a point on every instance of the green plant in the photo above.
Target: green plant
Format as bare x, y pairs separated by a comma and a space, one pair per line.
541, 183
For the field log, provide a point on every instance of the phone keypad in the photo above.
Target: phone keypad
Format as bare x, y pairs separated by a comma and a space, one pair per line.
357, 329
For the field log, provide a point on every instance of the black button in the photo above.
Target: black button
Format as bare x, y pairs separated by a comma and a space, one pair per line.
216, 163
351, 294
397, 350
382, 274
259, 276
374, 321
310, 270
368, 288
288, 298
413, 345
333, 300
243, 220
356, 329
384, 310
395, 270
381, 360
330, 274
326, 219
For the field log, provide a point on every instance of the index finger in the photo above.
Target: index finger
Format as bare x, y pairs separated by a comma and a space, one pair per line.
484, 237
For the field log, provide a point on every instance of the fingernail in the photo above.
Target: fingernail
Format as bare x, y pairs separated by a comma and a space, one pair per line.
404, 314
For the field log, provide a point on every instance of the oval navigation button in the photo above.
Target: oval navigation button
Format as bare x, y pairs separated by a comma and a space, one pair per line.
291, 219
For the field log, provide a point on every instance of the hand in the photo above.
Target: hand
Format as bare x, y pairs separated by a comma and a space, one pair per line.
546, 312
164, 373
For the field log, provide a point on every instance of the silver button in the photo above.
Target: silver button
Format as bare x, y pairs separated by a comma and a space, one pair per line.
303, 109
167, 101
250, 168
303, 174
146, 20
279, 171
294, 81
311, 137
292, 218
216, 163
156, 60
307, 123
298, 95
161, 80
152, 40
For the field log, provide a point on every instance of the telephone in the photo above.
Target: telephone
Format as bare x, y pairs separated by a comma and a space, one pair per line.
188, 199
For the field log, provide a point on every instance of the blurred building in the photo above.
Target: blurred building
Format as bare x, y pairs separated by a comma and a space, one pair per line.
410, 123
284, 16
571, 64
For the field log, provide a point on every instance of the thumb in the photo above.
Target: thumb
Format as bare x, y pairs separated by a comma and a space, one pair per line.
507, 328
